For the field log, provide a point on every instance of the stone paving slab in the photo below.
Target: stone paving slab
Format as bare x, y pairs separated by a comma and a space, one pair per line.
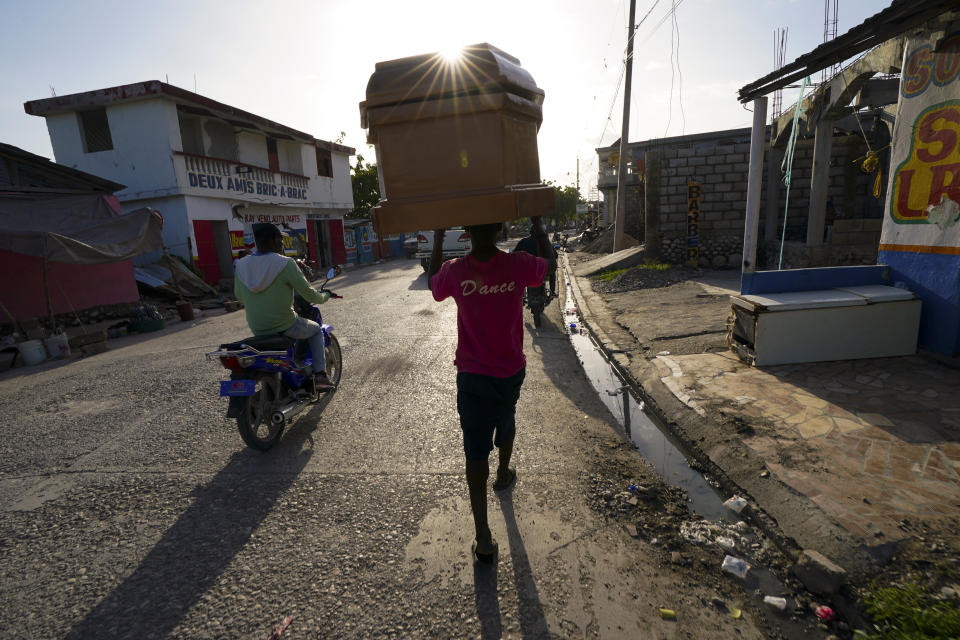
860, 453
870, 441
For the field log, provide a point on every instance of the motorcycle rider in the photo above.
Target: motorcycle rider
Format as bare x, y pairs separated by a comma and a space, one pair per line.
265, 282
531, 244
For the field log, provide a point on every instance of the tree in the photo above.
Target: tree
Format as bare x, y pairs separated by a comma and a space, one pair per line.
567, 200
366, 188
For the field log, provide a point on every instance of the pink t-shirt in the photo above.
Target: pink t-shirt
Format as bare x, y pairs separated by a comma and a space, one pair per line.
489, 298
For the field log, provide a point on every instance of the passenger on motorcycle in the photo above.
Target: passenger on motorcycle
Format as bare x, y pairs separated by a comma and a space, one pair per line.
265, 282
531, 244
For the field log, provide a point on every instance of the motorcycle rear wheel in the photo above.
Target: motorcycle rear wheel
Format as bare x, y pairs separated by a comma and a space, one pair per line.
254, 424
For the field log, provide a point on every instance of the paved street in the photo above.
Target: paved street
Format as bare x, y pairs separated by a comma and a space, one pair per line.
131, 508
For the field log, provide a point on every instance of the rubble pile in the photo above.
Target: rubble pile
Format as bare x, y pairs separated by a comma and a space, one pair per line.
642, 278
604, 243
721, 252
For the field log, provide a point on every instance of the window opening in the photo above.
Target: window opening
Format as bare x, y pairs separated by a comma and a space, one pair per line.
95, 130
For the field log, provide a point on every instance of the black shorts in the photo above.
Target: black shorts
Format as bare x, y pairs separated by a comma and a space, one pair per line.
487, 407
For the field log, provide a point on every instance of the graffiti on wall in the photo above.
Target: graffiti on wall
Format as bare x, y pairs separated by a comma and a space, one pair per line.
694, 193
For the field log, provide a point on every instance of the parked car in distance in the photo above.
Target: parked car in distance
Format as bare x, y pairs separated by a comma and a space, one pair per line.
456, 244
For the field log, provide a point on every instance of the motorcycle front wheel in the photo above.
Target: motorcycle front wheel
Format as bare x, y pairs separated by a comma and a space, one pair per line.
255, 424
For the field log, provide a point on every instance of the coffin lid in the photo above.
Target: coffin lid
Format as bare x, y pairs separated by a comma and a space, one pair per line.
482, 68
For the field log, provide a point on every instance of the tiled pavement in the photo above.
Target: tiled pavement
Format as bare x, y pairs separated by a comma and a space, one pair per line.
872, 442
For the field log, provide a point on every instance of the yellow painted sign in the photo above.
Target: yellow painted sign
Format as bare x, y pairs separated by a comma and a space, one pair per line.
922, 213
932, 167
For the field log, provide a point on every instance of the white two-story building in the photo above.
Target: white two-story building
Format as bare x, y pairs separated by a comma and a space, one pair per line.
212, 170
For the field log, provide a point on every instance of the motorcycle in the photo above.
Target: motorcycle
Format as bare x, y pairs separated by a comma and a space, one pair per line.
269, 384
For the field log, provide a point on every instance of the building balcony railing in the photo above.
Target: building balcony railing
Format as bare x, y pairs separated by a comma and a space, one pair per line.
608, 178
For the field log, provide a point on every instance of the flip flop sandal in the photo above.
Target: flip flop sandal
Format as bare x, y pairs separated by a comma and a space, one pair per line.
497, 486
485, 558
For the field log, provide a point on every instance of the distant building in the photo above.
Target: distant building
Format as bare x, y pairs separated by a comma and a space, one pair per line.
211, 169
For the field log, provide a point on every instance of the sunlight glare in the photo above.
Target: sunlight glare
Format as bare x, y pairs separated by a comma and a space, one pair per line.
451, 54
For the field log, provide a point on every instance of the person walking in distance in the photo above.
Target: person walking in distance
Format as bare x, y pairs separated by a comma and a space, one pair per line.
487, 286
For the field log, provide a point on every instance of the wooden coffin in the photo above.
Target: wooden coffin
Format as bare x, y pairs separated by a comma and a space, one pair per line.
456, 142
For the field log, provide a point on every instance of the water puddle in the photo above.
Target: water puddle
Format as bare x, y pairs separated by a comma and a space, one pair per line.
655, 445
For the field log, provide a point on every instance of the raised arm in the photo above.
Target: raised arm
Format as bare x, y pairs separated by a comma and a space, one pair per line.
436, 257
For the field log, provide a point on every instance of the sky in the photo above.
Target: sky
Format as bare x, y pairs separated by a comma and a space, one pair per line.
306, 63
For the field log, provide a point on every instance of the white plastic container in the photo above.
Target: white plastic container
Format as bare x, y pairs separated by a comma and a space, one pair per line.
32, 352
736, 566
57, 345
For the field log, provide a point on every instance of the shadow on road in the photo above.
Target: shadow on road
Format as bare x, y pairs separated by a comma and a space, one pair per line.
419, 283
204, 540
533, 623
488, 605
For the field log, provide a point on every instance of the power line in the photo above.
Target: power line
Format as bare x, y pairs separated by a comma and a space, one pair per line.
666, 131
683, 115
613, 102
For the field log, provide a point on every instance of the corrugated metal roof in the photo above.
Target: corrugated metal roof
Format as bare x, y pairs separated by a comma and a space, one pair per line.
899, 17
47, 175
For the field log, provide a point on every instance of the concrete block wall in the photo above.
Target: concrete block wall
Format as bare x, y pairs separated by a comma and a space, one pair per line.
721, 168
850, 190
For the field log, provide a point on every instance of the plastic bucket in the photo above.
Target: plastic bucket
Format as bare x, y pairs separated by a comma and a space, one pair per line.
185, 309
58, 346
32, 352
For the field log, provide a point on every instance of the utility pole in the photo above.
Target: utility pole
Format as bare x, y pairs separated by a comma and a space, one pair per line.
578, 178
620, 221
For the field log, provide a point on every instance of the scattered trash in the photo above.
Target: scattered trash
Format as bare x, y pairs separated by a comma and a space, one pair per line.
825, 613
632, 487
735, 613
663, 353
780, 604
765, 474
145, 312
633, 501
573, 326
281, 628
726, 535
735, 503
631, 530
668, 614
726, 543
736, 566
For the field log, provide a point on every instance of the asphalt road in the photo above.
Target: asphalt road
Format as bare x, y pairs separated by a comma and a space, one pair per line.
130, 508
